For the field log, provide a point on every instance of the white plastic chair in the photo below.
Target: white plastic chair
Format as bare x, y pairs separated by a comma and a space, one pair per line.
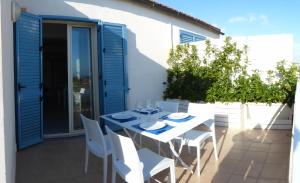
96, 143
195, 138
136, 166
167, 106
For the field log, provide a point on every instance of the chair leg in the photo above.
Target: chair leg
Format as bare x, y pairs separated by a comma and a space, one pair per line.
172, 173
189, 149
158, 147
215, 147
198, 160
141, 140
86, 160
105, 169
114, 173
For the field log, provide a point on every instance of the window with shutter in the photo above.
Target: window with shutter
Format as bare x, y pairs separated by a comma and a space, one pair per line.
187, 37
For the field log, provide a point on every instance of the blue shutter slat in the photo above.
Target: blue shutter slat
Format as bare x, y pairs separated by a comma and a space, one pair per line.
113, 68
198, 38
28, 74
187, 37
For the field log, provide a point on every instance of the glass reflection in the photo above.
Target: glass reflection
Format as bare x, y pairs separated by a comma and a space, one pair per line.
81, 75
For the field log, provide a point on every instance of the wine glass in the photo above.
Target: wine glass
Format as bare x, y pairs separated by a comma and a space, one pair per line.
138, 106
158, 107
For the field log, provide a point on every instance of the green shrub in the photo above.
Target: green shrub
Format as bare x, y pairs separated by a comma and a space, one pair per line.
221, 75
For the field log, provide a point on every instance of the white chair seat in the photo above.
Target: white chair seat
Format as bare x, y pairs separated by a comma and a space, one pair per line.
195, 137
136, 166
98, 151
152, 162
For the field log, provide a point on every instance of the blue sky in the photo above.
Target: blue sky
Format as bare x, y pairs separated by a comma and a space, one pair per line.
246, 17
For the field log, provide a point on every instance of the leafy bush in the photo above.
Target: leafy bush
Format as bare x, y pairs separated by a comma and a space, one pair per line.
222, 75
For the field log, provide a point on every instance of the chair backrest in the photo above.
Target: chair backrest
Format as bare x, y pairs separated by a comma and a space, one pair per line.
168, 106
93, 132
125, 158
201, 110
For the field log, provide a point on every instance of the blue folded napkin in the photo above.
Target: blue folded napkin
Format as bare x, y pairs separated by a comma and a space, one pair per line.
123, 120
177, 120
156, 132
154, 111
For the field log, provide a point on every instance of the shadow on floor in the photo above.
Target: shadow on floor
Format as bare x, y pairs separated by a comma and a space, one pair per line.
244, 156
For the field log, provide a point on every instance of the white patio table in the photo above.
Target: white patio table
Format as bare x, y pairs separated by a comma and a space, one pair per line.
167, 136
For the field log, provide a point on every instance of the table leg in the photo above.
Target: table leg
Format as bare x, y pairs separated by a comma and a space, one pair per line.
180, 149
178, 157
133, 138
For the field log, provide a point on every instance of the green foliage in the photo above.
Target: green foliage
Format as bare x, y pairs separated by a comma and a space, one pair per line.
187, 76
222, 75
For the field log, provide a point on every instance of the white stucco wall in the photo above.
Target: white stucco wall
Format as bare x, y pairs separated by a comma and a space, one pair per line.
264, 51
7, 112
294, 176
151, 34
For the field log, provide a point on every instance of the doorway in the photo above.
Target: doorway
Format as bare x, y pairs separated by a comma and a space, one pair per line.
55, 78
65, 67
68, 77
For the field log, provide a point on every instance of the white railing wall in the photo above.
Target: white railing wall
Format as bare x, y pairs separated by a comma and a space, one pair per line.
249, 115
294, 175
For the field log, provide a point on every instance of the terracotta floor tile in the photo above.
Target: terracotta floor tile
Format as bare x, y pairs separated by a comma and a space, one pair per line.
249, 169
280, 148
234, 154
245, 156
228, 165
241, 179
274, 171
259, 147
256, 157
278, 158
268, 181
241, 145
220, 177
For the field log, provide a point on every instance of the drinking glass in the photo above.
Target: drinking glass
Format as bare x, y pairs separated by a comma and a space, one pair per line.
138, 106
149, 103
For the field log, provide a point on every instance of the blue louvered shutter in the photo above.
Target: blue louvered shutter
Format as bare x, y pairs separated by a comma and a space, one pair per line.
199, 38
113, 67
28, 80
186, 38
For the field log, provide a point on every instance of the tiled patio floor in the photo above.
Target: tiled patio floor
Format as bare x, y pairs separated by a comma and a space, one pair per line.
250, 156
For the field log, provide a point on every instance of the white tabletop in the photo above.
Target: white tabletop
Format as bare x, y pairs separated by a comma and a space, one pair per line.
179, 127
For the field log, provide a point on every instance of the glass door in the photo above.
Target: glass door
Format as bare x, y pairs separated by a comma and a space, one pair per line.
81, 76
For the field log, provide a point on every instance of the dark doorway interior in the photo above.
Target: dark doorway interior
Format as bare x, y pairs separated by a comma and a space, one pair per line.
55, 75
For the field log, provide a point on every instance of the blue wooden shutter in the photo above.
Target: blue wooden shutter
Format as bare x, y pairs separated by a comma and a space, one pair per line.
185, 38
113, 68
28, 80
199, 38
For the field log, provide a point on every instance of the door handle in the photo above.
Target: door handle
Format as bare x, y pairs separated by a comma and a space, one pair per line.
20, 87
